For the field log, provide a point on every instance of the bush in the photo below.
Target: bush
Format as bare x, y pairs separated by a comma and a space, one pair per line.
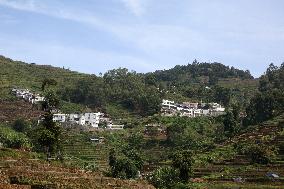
164, 177
13, 139
21, 125
259, 153
124, 168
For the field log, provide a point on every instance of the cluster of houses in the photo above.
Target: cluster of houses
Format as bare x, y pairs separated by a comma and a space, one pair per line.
189, 109
27, 95
88, 119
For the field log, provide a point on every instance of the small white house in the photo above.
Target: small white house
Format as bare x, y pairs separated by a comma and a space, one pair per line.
37, 99
197, 113
77, 118
59, 118
205, 112
93, 119
168, 104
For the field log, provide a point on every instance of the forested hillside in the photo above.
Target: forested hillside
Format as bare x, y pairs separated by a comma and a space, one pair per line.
171, 152
196, 72
126, 93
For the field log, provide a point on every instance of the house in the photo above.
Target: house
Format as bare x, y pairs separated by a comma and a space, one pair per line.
37, 99
77, 118
187, 112
93, 119
168, 104
197, 113
60, 118
98, 140
272, 175
205, 112
191, 104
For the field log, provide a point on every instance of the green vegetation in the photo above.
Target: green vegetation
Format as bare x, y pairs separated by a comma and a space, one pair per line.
13, 139
269, 102
237, 149
131, 93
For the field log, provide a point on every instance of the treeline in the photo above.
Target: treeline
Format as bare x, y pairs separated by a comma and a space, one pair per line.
191, 73
269, 101
142, 93
120, 86
128, 91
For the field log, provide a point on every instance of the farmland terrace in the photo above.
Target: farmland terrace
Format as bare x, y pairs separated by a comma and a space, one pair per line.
19, 169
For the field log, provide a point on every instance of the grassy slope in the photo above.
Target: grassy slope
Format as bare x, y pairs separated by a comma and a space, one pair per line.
20, 74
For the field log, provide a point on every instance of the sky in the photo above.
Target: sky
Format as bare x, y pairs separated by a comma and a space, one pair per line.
94, 36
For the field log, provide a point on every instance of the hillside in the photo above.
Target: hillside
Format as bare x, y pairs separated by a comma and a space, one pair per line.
131, 93
190, 81
19, 169
20, 74
11, 111
204, 72
229, 161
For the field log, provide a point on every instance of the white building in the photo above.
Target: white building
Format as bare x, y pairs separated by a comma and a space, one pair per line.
168, 104
60, 118
77, 118
205, 112
93, 119
37, 99
196, 112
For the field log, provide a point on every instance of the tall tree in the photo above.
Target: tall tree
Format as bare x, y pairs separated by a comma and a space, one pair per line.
183, 161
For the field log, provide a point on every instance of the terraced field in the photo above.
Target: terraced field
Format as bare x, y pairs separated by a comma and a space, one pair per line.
80, 151
232, 166
23, 172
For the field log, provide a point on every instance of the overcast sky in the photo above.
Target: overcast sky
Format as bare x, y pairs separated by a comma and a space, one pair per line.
94, 36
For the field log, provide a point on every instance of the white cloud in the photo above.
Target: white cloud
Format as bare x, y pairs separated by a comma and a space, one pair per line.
135, 6
25, 5
54, 11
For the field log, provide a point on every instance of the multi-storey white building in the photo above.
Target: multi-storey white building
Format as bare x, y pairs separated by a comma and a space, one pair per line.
93, 119
60, 118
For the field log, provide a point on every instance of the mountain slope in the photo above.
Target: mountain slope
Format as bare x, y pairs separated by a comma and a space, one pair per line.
20, 74
138, 94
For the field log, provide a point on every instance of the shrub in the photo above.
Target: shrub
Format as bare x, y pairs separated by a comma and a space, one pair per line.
13, 139
20, 125
164, 177
124, 168
259, 153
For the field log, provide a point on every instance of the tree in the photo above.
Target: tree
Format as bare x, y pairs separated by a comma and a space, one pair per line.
183, 161
175, 131
49, 135
230, 124
112, 158
222, 95
125, 163
269, 101
48, 82
124, 168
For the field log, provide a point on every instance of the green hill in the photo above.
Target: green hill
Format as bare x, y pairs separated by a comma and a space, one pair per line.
20, 74
121, 92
